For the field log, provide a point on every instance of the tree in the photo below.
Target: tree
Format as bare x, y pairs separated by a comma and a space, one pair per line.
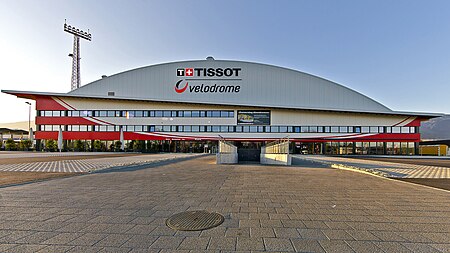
51, 145
25, 144
98, 145
10, 144
78, 145
137, 146
118, 146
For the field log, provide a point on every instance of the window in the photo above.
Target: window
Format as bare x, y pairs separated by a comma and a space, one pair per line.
187, 129
224, 114
129, 129
83, 128
47, 128
138, 128
216, 114
231, 114
274, 129
48, 113
173, 113
343, 129
158, 113
145, 114
335, 129
374, 129
166, 128
139, 114
357, 129
395, 130
56, 113
313, 129
224, 129
253, 129
326, 129
365, 129
202, 113
187, 113
110, 128
297, 129
283, 129
195, 128
111, 113
304, 129
75, 128
167, 113
151, 113
195, 113
215, 128
238, 129
405, 130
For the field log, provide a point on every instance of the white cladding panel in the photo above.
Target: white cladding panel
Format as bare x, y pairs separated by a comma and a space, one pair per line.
260, 85
284, 117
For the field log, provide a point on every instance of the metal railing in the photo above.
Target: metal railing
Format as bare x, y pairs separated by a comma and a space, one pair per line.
226, 147
277, 147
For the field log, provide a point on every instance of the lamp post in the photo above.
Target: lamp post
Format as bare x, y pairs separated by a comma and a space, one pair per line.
29, 115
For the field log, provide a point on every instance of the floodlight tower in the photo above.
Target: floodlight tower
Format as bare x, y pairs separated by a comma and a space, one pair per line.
77, 34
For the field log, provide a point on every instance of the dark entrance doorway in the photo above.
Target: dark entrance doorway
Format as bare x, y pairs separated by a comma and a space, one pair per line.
248, 151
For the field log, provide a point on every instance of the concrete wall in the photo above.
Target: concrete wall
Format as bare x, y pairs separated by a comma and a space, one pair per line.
226, 158
276, 159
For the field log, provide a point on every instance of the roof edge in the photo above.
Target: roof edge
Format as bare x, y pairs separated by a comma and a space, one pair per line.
33, 94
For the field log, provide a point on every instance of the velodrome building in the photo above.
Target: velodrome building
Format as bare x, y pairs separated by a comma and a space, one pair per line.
248, 103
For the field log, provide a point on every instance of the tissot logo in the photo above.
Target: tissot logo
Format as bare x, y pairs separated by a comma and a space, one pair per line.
198, 76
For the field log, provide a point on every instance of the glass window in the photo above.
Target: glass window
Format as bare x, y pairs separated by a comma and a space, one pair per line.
304, 129
231, 129
208, 128
56, 113
195, 129
373, 129
111, 113
75, 128
389, 130
145, 114
224, 114
48, 113
320, 129
173, 113
47, 128
297, 129
313, 129
195, 113
158, 113
69, 128
129, 129
202, 128
357, 129
365, 129
343, 129
151, 113
260, 129
167, 113
85, 113
166, 128
283, 129
238, 129
151, 129
335, 129
412, 130
83, 128
103, 114
274, 129
231, 114
187, 129
216, 114
202, 113
187, 114
110, 128
253, 129
381, 129
246, 129
138, 113
396, 130
405, 130
224, 129
173, 128
327, 129
208, 113
215, 128
138, 128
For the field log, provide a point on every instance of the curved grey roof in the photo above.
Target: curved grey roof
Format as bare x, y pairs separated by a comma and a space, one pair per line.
260, 85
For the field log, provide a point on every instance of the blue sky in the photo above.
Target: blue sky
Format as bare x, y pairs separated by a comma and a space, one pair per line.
396, 52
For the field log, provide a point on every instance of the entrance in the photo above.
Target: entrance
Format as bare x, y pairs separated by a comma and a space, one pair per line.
248, 151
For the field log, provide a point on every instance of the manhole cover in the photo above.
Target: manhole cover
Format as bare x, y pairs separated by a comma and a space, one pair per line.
194, 220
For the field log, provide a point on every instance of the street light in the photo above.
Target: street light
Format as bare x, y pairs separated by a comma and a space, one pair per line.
29, 115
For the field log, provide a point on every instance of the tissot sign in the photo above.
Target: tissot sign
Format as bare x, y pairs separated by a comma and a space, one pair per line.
220, 80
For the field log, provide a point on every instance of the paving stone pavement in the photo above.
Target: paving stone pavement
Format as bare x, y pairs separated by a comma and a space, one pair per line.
266, 208
92, 164
395, 170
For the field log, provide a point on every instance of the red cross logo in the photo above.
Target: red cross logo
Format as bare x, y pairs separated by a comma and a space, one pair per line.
189, 72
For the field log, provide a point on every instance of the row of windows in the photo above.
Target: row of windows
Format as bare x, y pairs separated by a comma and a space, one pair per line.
138, 114
232, 129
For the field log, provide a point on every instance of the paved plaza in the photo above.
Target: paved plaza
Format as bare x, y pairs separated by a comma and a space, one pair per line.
84, 165
266, 208
390, 169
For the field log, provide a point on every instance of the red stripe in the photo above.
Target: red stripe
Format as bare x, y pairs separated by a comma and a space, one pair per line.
63, 121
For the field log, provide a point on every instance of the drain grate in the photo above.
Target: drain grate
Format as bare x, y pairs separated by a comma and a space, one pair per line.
194, 220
